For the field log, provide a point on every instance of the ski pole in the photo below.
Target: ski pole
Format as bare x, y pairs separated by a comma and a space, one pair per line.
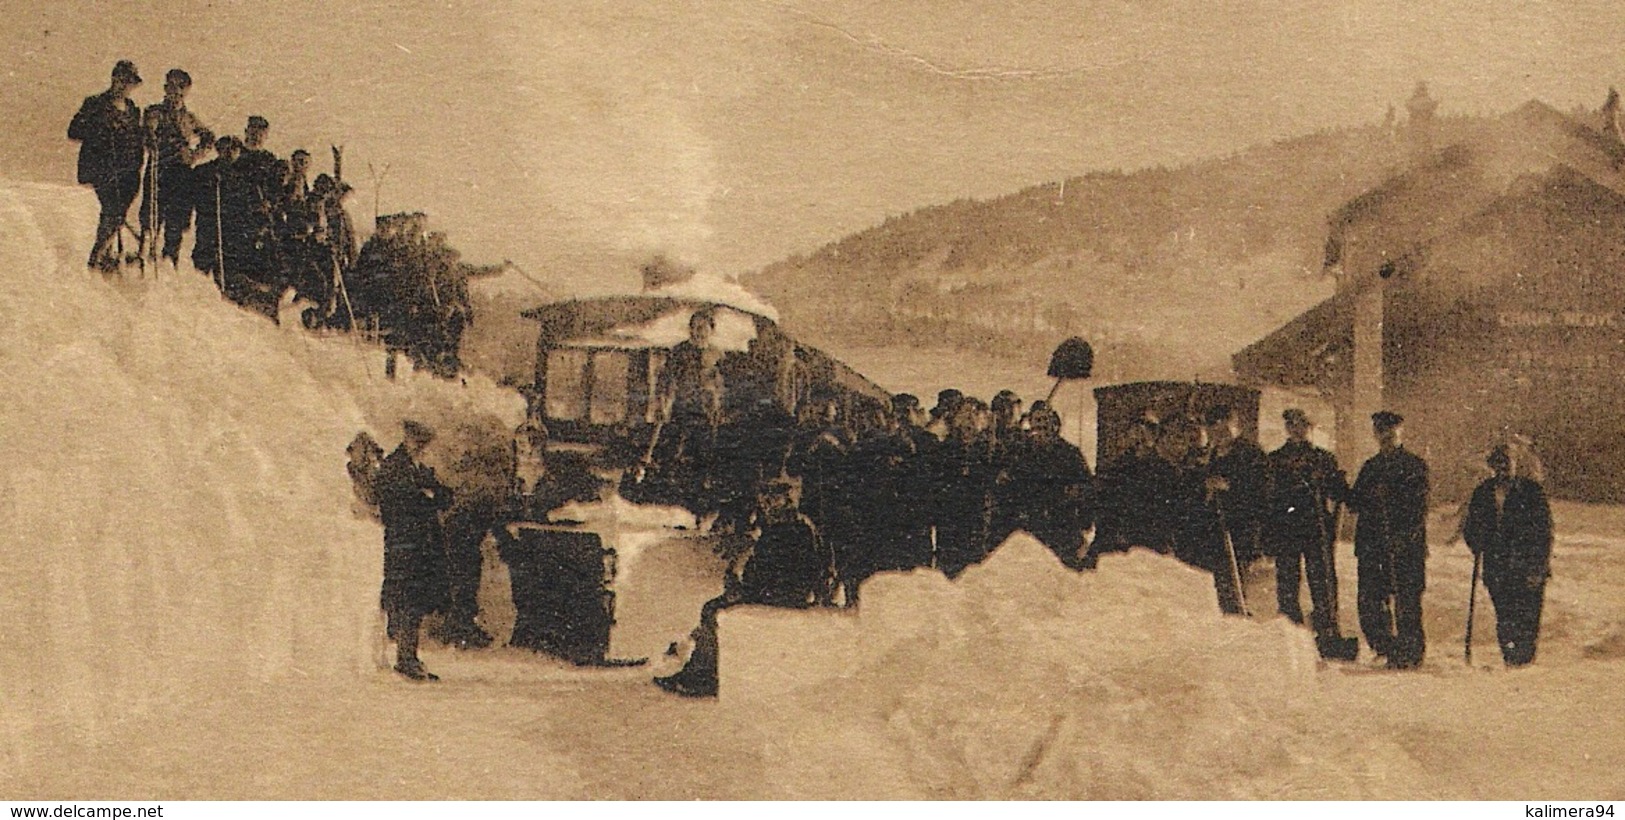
219, 238
1472, 604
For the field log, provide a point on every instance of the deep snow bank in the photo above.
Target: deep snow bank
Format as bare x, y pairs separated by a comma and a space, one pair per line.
175, 511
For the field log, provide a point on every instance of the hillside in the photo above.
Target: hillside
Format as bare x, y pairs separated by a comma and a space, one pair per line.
1132, 261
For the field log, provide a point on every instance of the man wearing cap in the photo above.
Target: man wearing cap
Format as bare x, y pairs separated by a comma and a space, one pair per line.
1241, 472
111, 148
1509, 525
1390, 496
1305, 487
262, 174
410, 500
176, 140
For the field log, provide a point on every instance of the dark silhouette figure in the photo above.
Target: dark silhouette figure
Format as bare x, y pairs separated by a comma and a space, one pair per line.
111, 149
1049, 480
1390, 544
1509, 524
788, 567
410, 499
961, 490
1138, 492
1306, 485
176, 140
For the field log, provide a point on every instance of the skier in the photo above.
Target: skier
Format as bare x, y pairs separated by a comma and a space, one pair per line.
176, 140
1390, 496
788, 567
1306, 485
111, 148
410, 499
1509, 527
216, 202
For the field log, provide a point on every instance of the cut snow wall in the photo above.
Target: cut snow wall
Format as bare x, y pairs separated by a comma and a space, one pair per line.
175, 510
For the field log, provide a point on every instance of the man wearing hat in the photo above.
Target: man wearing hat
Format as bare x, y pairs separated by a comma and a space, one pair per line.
1390, 496
177, 140
410, 500
1300, 528
111, 148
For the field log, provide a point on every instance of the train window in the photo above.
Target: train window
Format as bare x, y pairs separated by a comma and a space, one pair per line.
566, 384
608, 405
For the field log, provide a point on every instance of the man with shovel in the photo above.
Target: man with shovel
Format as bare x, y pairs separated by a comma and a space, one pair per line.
1300, 529
1390, 544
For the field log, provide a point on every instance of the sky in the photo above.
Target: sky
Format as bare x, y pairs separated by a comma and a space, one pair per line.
580, 138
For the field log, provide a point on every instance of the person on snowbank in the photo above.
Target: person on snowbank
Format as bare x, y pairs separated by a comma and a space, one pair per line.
410, 500
1390, 496
1509, 524
111, 148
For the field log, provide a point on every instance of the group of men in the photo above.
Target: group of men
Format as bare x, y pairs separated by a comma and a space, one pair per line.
263, 225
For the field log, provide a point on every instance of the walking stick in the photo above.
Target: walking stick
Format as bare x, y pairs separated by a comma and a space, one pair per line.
152, 215
1230, 556
1472, 604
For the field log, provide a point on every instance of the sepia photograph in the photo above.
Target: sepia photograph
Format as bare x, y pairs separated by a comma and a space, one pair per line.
812, 400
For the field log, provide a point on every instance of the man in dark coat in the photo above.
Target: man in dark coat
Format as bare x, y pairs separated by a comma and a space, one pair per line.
111, 148
215, 206
482, 480
689, 392
176, 141
1137, 494
1243, 469
1509, 525
410, 499
912, 514
1202, 537
789, 567
1306, 485
1390, 496
1006, 442
961, 490
1054, 489
872, 503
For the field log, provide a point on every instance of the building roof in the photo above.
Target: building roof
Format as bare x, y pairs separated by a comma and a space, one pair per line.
1433, 196
1533, 161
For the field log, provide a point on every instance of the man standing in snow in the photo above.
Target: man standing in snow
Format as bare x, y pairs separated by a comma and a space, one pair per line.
689, 390
108, 129
1509, 524
176, 140
1306, 484
410, 499
1390, 544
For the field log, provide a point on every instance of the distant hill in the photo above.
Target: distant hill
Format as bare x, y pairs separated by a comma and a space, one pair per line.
1165, 271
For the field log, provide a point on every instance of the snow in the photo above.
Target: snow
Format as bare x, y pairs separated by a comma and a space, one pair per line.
710, 287
191, 613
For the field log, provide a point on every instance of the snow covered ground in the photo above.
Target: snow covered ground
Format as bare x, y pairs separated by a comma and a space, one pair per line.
190, 612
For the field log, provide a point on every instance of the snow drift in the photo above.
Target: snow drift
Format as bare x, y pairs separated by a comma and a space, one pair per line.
175, 508
191, 605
